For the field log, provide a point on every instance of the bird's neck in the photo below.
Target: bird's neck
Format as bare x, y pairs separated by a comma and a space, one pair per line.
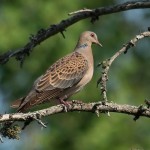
85, 49
83, 45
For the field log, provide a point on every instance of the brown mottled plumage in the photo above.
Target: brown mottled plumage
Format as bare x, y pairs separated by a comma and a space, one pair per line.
65, 77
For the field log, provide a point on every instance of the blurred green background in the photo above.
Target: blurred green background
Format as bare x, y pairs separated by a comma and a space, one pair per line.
129, 76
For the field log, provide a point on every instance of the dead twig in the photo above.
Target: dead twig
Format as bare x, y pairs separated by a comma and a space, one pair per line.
107, 63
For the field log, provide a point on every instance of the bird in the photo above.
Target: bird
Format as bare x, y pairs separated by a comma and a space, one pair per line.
65, 77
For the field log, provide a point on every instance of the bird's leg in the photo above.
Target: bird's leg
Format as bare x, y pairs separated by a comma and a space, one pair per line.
61, 101
65, 104
68, 104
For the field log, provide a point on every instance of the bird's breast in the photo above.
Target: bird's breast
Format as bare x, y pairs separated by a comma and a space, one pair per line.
87, 77
87, 53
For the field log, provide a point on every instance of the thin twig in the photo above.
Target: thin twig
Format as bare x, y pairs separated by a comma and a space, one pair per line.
80, 11
40, 122
107, 63
1, 139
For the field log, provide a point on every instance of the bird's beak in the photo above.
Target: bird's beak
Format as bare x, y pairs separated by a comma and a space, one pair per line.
98, 43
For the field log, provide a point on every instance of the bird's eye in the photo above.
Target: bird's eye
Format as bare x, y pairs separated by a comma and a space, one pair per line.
92, 34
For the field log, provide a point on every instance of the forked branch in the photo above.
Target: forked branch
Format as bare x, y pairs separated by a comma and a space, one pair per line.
106, 64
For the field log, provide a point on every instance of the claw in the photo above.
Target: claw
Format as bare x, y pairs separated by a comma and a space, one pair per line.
65, 108
65, 105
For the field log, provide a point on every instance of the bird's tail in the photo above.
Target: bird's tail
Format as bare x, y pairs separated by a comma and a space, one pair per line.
17, 103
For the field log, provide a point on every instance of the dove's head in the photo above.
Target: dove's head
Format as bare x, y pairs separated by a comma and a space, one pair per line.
89, 37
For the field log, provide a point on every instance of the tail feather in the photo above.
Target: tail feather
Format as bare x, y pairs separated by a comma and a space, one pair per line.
17, 103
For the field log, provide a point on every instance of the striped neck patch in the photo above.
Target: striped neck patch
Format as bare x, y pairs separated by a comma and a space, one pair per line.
83, 45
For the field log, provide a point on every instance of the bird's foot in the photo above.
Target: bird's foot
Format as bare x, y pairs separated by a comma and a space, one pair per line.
66, 105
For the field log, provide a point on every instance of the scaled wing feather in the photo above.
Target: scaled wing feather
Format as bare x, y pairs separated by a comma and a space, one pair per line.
65, 73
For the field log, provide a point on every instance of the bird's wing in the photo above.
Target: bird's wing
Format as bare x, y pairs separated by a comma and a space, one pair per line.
65, 73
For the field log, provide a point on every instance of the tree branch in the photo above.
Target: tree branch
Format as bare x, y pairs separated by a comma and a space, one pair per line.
86, 107
106, 64
43, 34
11, 131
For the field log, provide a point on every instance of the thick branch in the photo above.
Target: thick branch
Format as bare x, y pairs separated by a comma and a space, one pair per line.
87, 107
43, 34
